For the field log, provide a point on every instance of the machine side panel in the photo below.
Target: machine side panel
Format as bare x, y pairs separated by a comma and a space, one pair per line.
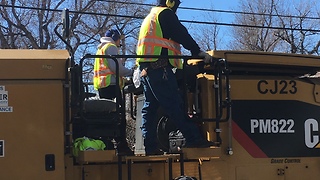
276, 117
32, 131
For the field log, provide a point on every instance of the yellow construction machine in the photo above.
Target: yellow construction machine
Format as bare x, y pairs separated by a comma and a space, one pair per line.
261, 109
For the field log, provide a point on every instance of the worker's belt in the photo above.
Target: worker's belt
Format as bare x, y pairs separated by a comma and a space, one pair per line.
160, 63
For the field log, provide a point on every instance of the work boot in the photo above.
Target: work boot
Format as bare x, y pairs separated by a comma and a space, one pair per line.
199, 143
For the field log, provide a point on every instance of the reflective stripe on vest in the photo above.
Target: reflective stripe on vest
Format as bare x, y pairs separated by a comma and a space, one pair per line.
151, 40
102, 73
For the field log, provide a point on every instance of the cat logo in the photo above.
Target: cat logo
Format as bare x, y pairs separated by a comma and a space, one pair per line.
311, 137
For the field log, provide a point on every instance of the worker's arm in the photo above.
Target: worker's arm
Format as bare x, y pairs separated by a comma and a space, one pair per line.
173, 29
123, 71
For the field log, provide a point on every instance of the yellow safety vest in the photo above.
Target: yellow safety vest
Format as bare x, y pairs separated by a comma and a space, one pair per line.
151, 40
102, 72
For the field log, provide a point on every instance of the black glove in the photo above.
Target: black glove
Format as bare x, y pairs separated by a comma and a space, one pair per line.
206, 57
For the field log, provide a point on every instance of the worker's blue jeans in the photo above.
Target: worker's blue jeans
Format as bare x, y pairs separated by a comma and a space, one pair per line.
161, 89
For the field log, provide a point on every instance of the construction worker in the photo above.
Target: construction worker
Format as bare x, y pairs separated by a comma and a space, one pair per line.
104, 79
161, 33
105, 69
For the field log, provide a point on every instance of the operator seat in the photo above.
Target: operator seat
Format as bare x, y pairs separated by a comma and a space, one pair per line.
95, 105
98, 119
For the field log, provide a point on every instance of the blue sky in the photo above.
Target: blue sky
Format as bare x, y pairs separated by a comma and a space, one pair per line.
226, 4
207, 4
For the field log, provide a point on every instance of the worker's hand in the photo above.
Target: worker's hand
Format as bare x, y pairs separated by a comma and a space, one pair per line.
206, 57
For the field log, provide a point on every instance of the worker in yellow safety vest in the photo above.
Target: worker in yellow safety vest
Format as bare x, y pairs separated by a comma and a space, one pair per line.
161, 33
105, 69
104, 79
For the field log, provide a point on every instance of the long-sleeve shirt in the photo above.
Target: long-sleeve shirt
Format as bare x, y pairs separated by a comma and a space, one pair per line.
174, 30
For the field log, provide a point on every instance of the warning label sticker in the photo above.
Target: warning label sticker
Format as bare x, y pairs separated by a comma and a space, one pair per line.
6, 109
4, 100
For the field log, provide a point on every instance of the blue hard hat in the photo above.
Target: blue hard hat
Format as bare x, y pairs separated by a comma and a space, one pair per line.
113, 33
162, 2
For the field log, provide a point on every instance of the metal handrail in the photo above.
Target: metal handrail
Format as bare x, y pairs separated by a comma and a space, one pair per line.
220, 70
